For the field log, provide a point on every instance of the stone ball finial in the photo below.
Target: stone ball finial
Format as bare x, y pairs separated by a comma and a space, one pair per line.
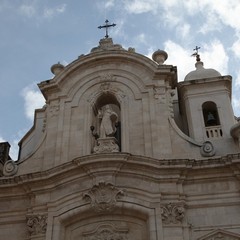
57, 68
159, 56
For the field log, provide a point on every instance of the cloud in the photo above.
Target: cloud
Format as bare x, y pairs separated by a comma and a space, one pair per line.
237, 81
141, 6
33, 99
2, 139
212, 23
27, 10
236, 48
51, 12
109, 4
215, 56
179, 57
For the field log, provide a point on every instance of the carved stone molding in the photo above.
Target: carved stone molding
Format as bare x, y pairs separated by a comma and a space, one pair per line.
37, 224
172, 213
103, 197
106, 145
107, 232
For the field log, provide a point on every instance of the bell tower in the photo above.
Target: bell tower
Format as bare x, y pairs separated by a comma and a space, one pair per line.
206, 103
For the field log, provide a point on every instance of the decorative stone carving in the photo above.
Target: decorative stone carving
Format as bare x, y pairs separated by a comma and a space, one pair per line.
172, 213
159, 94
10, 168
106, 88
106, 44
207, 149
107, 78
53, 110
106, 145
106, 232
220, 234
103, 197
37, 224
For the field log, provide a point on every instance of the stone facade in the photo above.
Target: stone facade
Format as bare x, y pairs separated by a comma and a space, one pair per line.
167, 165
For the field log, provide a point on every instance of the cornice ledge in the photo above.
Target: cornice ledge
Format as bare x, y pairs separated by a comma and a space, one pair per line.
122, 158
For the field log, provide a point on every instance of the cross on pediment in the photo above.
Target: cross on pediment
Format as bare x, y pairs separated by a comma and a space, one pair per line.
106, 26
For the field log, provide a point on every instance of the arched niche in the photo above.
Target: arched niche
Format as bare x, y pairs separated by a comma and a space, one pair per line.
106, 103
211, 120
210, 114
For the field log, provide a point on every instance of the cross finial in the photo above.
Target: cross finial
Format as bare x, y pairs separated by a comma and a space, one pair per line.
196, 53
107, 26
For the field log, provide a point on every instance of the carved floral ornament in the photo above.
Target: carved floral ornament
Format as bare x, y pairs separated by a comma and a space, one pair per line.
107, 232
103, 197
37, 224
172, 213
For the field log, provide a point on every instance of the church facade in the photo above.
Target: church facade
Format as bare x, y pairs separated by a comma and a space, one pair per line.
122, 150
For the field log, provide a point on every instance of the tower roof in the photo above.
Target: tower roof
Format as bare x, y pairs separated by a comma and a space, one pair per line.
201, 72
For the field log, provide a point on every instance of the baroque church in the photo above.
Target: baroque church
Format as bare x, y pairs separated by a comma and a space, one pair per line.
125, 150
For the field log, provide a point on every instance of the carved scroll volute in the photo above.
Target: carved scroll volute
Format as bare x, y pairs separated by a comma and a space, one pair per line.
37, 224
172, 213
103, 197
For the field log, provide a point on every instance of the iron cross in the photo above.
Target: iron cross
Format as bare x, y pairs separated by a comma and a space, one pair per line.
107, 26
196, 53
196, 49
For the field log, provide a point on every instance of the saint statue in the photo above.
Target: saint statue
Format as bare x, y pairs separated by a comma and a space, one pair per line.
109, 119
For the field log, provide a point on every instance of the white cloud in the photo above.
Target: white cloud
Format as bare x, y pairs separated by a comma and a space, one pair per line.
141, 6
51, 12
27, 10
2, 139
109, 4
214, 56
179, 57
33, 99
184, 31
212, 23
237, 80
236, 48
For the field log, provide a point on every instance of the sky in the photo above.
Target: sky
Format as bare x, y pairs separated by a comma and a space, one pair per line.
35, 34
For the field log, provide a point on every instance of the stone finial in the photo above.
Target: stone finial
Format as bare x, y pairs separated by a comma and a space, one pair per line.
159, 56
57, 68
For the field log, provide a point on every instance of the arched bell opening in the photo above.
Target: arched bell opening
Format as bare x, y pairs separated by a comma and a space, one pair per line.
210, 114
211, 120
106, 125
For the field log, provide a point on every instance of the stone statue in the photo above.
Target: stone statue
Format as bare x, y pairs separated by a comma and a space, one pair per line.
109, 119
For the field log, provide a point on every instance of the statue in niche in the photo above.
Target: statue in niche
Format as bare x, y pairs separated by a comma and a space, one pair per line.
108, 121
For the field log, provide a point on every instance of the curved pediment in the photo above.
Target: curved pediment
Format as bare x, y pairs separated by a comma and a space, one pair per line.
220, 234
126, 66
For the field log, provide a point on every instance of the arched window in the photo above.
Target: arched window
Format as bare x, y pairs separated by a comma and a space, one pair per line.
210, 114
107, 118
211, 120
